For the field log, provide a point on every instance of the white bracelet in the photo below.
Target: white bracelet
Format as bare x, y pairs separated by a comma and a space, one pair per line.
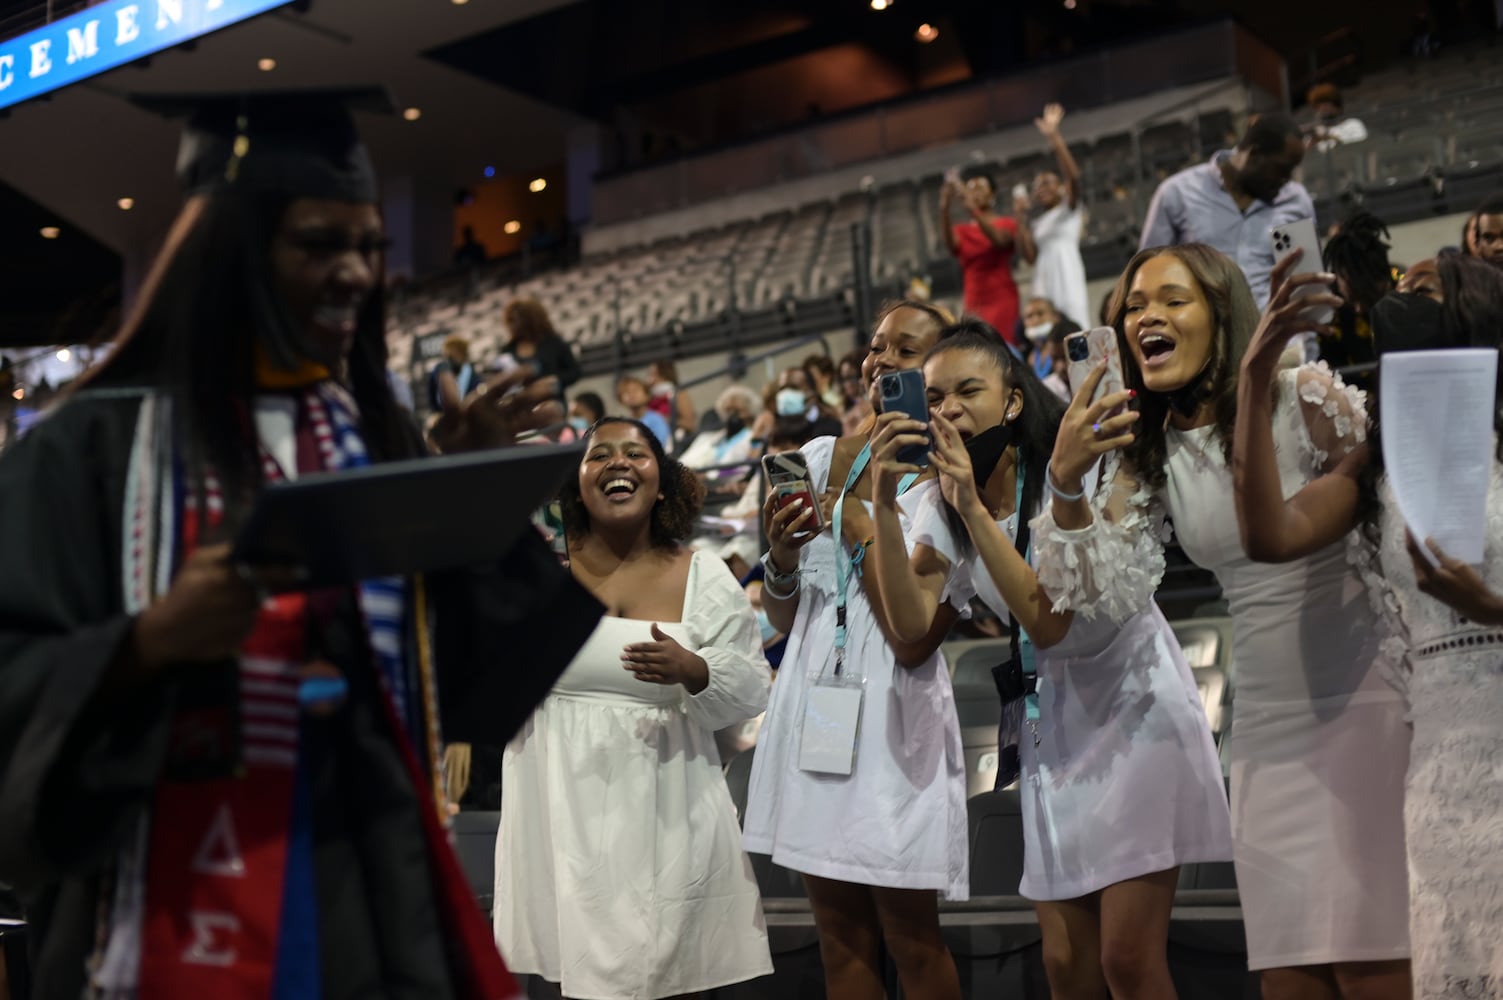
1049, 481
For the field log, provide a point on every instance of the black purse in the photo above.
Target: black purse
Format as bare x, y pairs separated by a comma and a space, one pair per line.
1017, 682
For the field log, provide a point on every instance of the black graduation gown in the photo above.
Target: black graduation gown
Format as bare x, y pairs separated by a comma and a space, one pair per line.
76, 774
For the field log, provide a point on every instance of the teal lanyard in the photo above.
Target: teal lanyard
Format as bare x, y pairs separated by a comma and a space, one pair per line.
1025, 644
852, 562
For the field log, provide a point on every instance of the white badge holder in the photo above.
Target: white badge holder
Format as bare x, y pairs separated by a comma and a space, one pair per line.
832, 721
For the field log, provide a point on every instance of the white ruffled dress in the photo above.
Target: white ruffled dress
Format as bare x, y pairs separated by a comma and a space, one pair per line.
1452, 673
1319, 745
619, 868
1125, 780
899, 819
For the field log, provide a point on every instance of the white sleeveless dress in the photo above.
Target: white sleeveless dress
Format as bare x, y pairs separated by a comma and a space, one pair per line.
899, 819
1319, 746
1058, 271
619, 868
1452, 673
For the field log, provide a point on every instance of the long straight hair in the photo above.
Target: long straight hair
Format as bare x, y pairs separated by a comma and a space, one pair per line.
1234, 317
209, 299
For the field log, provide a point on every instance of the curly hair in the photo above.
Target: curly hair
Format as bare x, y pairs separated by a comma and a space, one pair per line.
1234, 317
673, 517
528, 321
1358, 254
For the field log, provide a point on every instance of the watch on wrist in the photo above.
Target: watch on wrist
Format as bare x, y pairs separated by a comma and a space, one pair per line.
779, 579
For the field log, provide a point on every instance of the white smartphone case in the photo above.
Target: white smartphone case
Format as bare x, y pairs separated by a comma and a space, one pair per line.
1300, 234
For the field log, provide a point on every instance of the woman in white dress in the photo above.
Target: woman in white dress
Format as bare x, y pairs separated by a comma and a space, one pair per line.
875, 846
619, 868
1058, 270
1447, 657
1319, 745
1120, 780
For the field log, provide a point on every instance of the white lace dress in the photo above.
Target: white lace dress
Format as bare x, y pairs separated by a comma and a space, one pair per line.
1319, 745
1453, 807
899, 819
1124, 781
619, 869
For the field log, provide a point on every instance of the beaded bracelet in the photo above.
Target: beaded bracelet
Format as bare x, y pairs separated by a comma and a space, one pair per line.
1049, 480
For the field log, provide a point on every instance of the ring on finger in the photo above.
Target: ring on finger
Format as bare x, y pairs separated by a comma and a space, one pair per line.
1096, 428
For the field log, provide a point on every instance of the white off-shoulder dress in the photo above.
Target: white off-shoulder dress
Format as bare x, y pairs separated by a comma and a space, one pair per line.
1125, 780
1319, 745
619, 868
1452, 673
899, 819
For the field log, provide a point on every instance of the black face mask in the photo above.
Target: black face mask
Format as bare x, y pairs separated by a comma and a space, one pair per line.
734, 424
987, 448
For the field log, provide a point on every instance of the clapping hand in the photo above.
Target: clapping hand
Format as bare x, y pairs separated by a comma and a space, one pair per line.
1089, 431
1455, 584
505, 406
664, 661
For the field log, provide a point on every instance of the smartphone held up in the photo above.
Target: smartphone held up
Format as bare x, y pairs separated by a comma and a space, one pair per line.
787, 475
904, 392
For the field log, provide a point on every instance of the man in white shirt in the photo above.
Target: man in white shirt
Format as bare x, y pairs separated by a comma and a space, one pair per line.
1231, 202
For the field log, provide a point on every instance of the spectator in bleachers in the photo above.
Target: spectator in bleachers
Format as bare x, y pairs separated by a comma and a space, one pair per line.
854, 407
535, 342
453, 378
471, 251
1046, 330
791, 395
984, 245
737, 408
1231, 202
1319, 746
619, 867
1058, 270
676, 407
1483, 236
821, 372
1357, 255
634, 397
585, 410
873, 846
1332, 126
1115, 729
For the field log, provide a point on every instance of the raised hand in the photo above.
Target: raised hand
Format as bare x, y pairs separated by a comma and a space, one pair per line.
1281, 320
957, 478
787, 529
1049, 123
1090, 430
505, 406
664, 661
893, 432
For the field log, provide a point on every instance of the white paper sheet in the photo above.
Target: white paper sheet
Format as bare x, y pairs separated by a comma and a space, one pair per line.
1437, 419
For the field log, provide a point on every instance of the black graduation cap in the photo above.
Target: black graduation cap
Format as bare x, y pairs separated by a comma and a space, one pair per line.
300, 143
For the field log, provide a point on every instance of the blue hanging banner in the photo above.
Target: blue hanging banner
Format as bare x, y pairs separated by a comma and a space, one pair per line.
107, 35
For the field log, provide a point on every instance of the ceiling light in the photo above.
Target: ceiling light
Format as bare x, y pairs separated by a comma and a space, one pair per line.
538, 184
266, 65
512, 228
926, 33
51, 232
20, 393
126, 204
1069, 4
64, 355
460, 3
881, 4
489, 171
412, 114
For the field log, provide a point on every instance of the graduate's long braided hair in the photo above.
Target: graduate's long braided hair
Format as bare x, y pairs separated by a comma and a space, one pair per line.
209, 298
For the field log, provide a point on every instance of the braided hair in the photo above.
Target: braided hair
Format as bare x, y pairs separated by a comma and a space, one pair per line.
1358, 254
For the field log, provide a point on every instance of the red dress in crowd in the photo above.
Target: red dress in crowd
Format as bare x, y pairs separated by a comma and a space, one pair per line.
990, 291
